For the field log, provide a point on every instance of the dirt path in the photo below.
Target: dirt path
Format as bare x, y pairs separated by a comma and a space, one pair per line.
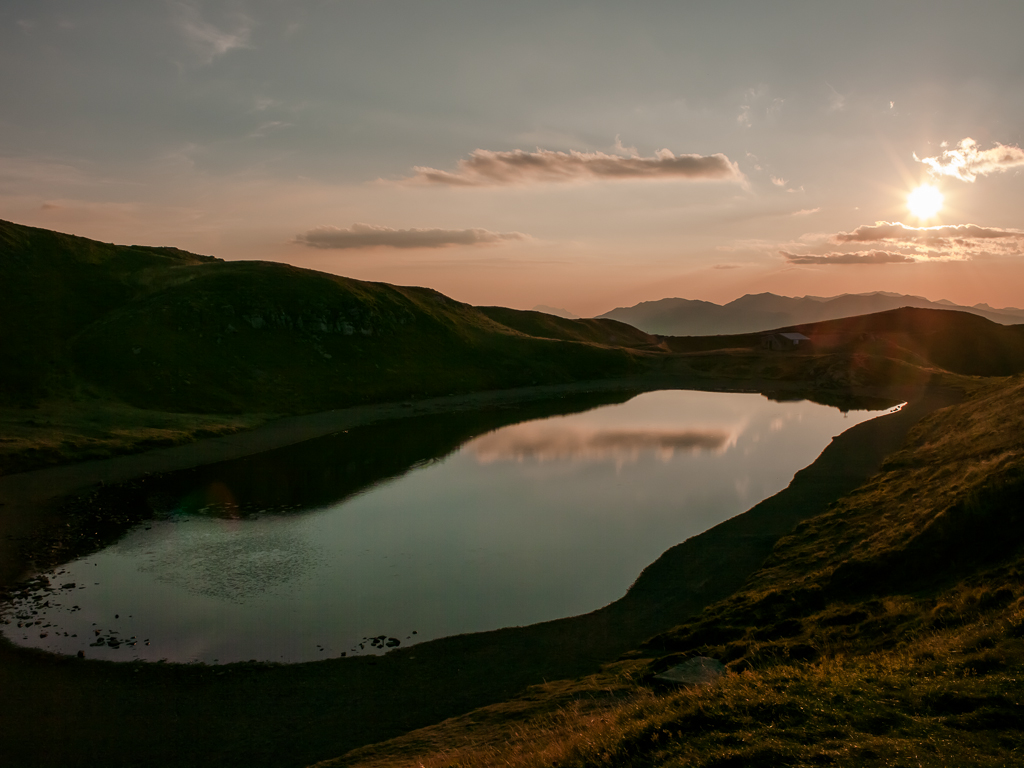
69, 712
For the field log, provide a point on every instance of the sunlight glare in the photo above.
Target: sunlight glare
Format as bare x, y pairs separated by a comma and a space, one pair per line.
925, 201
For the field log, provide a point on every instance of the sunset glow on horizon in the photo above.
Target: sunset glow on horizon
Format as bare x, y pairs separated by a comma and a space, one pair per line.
578, 155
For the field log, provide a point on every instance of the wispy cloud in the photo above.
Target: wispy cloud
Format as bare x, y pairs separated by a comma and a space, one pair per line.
209, 40
27, 170
370, 236
487, 168
897, 231
903, 244
855, 257
836, 100
967, 162
758, 104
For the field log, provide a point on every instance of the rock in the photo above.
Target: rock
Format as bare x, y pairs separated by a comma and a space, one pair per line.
700, 670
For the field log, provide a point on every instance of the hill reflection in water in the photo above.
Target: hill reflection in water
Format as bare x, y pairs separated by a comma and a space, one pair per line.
427, 527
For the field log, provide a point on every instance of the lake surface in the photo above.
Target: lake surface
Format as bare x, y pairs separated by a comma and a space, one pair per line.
422, 528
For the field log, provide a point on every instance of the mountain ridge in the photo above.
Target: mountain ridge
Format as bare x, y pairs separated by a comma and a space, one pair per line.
754, 312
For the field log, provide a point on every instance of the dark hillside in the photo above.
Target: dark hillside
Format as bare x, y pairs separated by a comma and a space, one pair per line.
956, 341
906, 344
596, 331
51, 286
163, 329
264, 336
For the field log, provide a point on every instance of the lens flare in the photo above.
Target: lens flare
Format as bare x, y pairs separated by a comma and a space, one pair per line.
925, 201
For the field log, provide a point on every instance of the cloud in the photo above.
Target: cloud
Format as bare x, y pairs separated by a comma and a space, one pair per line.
370, 236
967, 162
856, 257
487, 168
209, 40
904, 244
896, 231
805, 211
836, 100
758, 102
624, 150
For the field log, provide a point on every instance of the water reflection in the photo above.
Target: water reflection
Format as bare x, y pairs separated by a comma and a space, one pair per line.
544, 442
330, 469
423, 528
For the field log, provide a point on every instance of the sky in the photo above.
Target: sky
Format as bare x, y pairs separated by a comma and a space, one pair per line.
582, 155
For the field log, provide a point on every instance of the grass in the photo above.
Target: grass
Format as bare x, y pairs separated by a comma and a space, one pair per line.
877, 709
59, 432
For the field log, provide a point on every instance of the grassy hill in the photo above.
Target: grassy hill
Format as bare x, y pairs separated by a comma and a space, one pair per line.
887, 631
168, 330
170, 345
906, 345
952, 340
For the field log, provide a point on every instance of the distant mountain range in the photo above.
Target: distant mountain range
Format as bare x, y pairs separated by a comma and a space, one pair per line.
765, 311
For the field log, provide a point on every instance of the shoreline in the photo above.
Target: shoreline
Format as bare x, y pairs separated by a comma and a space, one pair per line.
263, 714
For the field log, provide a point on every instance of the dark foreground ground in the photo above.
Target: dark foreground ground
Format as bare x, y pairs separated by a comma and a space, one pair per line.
57, 711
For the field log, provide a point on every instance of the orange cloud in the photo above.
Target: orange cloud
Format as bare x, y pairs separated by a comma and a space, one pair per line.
487, 168
967, 162
855, 257
885, 230
370, 236
905, 244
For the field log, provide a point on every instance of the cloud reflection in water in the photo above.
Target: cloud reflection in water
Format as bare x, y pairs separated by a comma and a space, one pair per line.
543, 441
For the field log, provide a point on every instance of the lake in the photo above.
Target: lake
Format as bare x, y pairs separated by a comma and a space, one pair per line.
421, 528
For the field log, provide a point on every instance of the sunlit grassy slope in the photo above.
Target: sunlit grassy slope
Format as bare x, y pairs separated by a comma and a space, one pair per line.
887, 631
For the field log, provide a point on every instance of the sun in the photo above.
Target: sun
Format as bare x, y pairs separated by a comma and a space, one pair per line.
925, 201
